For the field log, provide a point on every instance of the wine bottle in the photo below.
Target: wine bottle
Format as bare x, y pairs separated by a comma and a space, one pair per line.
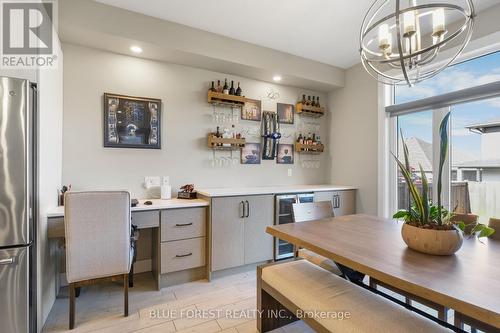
232, 91
313, 141
313, 103
299, 138
212, 88
304, 102
217, 135
317, 103
219, 87
225, 89
308, 101
238, 91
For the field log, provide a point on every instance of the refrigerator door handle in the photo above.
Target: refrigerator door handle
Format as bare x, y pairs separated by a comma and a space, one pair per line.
7, 261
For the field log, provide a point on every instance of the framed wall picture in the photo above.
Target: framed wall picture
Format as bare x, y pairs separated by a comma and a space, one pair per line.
251, 110
285, 153
250, 154
285, 113
132, 122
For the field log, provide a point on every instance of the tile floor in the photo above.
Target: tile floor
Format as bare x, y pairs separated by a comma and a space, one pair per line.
175, 309
196, 307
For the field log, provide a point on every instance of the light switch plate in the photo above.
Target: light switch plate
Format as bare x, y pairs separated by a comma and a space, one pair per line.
289, 172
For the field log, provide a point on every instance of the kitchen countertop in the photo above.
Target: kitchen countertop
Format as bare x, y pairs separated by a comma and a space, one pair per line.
157, 205
278, 189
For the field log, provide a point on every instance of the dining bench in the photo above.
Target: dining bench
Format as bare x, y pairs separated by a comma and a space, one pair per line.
293, 290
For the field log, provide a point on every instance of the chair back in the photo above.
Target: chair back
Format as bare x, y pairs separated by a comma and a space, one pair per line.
495, 224
97, 227
309, 211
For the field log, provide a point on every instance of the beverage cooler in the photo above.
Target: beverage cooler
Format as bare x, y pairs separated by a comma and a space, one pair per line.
284, 215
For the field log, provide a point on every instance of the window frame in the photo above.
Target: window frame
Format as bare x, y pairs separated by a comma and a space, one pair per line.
388, 136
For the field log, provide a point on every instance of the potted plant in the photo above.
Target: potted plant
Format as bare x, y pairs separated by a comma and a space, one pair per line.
427, 226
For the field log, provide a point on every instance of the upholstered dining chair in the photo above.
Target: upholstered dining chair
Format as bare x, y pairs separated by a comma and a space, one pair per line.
309, 211
98, 241
495, 224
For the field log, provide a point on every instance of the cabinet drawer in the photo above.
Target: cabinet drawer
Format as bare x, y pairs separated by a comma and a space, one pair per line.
177, 224
182, 254
148, 219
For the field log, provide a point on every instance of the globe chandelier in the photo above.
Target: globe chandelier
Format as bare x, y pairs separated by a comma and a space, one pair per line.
403, 42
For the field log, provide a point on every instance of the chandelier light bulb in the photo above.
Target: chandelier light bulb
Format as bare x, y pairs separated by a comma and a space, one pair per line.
438, 23
384, 38
410, 25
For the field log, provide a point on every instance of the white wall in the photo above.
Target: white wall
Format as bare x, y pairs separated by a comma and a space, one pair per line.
50, 90
489, 146
491, 175
354, 135
186, 120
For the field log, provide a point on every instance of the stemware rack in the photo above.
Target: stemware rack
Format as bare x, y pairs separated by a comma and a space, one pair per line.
311, 111
222, 143
303, 148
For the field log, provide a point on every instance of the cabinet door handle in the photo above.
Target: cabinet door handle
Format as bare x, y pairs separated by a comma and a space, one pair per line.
184, 255
7, 261
242, 209
184, 224
337, 201
248, 208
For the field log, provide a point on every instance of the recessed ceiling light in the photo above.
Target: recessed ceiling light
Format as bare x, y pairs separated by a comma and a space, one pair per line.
135, 49
277, 78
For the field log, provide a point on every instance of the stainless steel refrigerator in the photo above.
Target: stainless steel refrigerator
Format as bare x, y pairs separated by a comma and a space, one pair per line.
18, 188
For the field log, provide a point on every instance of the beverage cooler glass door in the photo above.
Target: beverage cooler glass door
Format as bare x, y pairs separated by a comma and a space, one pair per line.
284, 215
14, 314
15, 159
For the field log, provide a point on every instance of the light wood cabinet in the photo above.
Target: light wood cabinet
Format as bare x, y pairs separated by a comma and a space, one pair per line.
182, 224
146, 219
182, 254
239, 230
258, 243
228, 232
343, 202
182, 239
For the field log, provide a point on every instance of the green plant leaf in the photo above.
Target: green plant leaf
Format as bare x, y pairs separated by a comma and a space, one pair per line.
481, 230
413, 189
486, 232
460, 226
425, 196
405, 152
400, 214
433, 213
443, 153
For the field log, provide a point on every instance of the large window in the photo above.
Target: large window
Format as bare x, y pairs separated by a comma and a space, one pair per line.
473, 176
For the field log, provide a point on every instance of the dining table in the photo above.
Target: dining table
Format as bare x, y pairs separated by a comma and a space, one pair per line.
467, 281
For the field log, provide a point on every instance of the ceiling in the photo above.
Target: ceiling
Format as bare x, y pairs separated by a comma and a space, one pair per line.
321, 30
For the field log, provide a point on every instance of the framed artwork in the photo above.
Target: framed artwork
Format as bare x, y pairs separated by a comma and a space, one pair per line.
285, 153
250, 154
251, 110
132, 122
285, 113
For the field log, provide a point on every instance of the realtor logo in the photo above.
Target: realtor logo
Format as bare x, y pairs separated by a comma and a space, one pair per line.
27, 34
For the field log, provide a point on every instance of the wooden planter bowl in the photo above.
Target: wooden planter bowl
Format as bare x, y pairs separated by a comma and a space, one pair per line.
435, 242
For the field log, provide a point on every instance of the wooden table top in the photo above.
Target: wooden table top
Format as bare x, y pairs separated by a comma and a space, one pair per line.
468, 281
